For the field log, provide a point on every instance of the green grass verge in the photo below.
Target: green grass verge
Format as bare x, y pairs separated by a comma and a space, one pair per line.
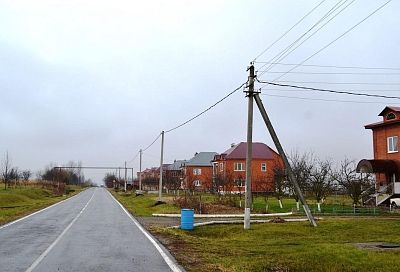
144, 205
287, 246
20, 201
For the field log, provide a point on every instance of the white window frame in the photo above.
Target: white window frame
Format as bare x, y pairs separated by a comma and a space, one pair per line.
263, 167
237, 168
393, 144
197, 183
221, 167
197, 171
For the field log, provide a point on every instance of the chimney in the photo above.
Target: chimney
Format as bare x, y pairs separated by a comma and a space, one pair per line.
232, 144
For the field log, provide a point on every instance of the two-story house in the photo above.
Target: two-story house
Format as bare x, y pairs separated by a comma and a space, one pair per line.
229, 168
198, 172
386, 162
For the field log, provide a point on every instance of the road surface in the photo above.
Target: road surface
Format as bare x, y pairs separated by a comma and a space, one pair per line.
89, 232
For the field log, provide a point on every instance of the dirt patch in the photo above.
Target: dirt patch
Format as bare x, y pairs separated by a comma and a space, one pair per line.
380, 246
222, 209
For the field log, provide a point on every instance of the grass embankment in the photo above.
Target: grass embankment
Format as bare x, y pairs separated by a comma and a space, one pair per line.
286, 246
144, 205
20, 201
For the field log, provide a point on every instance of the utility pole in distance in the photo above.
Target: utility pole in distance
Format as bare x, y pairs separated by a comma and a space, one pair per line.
125, 177
160, 184
140, 171
284, 158
249, 156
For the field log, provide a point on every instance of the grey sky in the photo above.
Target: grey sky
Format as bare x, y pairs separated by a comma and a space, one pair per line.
98, 80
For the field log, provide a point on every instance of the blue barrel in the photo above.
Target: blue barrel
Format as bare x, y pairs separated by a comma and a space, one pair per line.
187, 219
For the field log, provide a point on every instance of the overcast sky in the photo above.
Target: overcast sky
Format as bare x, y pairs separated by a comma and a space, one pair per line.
95, 81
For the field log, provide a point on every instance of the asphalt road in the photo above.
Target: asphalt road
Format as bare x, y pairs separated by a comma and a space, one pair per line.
89, 232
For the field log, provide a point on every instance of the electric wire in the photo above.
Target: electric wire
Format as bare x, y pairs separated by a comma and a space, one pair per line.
328, 90
352, 90
332, 66
337, 83
137, 154
159, 135
290, 29
336, 39
327, 100
333, 73
206, 110
280, 56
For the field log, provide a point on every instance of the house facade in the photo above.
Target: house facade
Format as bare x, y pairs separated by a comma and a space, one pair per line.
229, 168
198, 171
386, 162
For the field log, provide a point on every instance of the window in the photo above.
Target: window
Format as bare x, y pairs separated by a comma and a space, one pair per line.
390, 116
239, 166
263, 167
221, 167
197, 183
197, 171
240, 182
392, 143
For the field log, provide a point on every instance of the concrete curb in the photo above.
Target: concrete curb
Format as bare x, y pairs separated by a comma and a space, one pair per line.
224, 215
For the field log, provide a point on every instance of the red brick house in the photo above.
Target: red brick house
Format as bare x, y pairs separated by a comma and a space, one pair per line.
229, 168
197, 172
386, 162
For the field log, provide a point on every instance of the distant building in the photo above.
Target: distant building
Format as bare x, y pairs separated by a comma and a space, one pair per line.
229, 168
386, 162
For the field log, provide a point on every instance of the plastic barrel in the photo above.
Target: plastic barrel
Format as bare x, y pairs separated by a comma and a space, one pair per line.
187, 219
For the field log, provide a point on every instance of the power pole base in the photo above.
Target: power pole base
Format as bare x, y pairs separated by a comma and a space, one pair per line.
247, 218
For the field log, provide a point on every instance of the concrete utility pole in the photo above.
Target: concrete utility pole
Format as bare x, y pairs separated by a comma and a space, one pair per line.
160, 184
249, 157
140, 170
125, 177
285, 160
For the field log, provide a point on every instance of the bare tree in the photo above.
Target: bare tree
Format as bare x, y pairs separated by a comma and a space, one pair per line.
321, 179
280, 182
6, 170
26, 174
354, 184
302, 166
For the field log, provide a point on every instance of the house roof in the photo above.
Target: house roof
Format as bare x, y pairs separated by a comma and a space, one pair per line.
396, 109
201, 159
382, 123
176, 165
378, 166
260, 151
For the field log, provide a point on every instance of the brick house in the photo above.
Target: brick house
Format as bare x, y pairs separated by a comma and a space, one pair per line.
198, 172
386, 162
229, 168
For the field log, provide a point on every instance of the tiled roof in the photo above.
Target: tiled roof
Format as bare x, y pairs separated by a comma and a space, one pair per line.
260, 151
201, 159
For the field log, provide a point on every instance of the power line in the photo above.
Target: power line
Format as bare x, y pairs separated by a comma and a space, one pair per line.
286, 32
338, 83
364, 90
333, 73
327, 100
137, 154
287, 52
280, 56
339, 37
152, 143
331, 66
209, 108
329, 91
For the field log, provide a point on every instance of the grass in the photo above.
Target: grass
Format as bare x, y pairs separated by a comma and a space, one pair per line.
144, 205
20, 201
287, 246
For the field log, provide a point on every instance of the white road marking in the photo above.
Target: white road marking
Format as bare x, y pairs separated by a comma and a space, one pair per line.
32, 214
44, 254
166, 258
